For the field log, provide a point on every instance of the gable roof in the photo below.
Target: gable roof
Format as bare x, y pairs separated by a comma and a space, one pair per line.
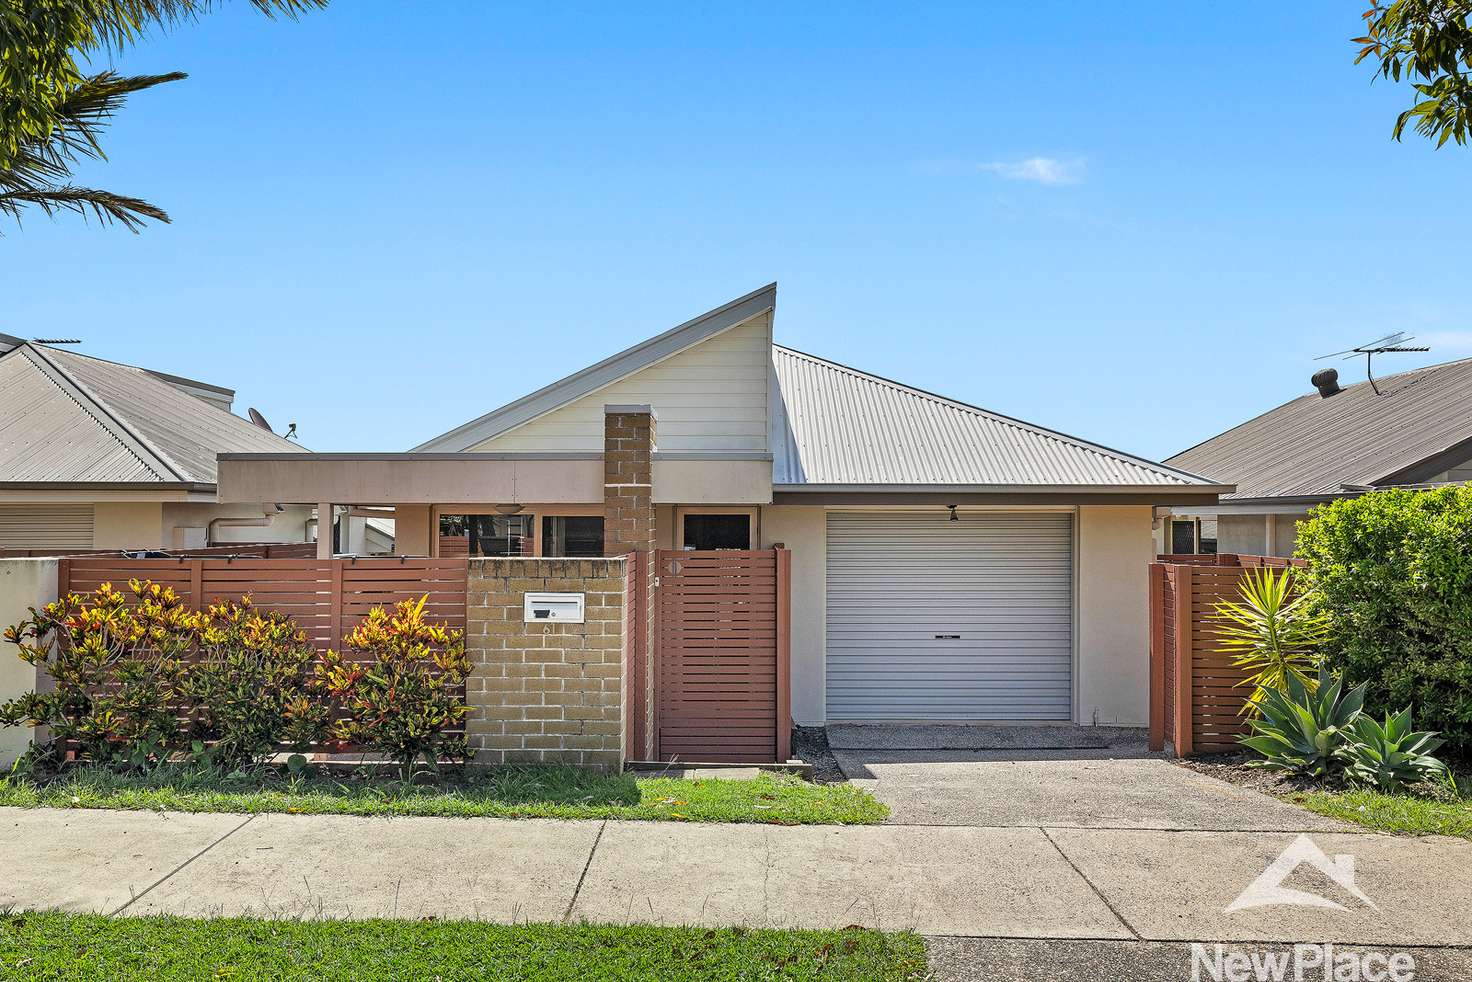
840, 426
605, 372
66, 418
1313, 447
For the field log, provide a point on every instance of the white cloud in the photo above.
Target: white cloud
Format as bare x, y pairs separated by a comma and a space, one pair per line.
1039, 170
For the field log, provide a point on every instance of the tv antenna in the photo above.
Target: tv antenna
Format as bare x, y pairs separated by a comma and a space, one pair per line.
1390, 344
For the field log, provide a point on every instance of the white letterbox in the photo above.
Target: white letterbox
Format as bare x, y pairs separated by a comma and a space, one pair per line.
553, 608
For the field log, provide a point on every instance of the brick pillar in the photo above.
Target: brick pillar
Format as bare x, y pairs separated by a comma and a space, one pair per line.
628, 529
628, 480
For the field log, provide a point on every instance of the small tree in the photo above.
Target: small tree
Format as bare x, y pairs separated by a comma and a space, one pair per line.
1428, 42
403, 692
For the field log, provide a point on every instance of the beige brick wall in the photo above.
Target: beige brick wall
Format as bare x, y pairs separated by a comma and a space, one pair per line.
546, 692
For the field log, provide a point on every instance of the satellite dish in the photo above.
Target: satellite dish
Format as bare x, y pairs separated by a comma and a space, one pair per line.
259, 420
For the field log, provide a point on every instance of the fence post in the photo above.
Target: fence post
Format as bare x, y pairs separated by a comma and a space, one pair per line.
1157, 656
1185, 621
784, 654
196, 583
335, 565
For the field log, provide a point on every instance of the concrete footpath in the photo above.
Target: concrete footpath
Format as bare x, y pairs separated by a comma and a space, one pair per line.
1095, 884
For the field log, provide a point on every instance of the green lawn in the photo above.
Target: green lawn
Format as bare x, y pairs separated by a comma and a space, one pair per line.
70, 946
508, 792
1399, 814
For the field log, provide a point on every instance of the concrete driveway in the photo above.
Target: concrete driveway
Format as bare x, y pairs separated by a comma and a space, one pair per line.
1049, 777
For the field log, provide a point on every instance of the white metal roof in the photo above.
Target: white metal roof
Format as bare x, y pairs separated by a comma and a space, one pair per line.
834, 425
66, 418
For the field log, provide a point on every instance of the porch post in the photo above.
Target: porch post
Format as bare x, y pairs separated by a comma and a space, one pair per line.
324, 530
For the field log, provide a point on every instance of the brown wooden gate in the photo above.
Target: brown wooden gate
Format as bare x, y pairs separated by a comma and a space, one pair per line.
723, 661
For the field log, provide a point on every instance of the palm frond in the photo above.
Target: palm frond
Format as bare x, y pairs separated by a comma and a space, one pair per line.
87, 108
119, 23
107, 207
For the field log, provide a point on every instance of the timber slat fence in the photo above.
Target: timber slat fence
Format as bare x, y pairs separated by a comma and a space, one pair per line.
723, 655
1195, 692
325, 597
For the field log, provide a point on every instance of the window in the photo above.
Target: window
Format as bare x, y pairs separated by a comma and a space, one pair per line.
717, 531
485, 535
1183, 537
572, 535
1208, 536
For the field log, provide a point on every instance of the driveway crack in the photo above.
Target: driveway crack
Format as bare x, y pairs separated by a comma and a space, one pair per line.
597, 837
170, 874
1097, 892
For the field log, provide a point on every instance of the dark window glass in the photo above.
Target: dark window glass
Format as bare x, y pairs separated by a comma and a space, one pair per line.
717, 531
572, 535
1208, 536
1182, 537
485, 535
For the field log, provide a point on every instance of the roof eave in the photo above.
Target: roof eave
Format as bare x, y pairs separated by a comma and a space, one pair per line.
1197, 489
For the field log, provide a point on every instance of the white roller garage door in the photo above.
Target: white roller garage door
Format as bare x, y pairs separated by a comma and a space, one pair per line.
934, 619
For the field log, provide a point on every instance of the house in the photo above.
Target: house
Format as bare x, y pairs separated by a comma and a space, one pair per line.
948, 562
98, 455
1411, 429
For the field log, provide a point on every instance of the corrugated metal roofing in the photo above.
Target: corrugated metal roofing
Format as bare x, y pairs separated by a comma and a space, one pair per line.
836, 425
68, 418
1314, 446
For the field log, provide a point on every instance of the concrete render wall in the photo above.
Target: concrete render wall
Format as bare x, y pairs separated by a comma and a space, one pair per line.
24, 583
540, 691
1248, 535
1115, 546
804, 530
1112, 673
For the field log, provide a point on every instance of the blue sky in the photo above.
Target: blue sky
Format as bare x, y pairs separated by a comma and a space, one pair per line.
1136, 222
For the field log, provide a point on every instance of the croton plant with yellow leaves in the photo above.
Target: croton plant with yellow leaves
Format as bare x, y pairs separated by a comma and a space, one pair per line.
399, 681
138, 677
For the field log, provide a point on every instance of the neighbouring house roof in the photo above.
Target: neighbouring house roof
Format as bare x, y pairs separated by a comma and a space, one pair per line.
1314, 447
605, 372
839, 426
69, 419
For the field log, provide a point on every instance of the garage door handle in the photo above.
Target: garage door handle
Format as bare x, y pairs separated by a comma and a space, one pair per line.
948, 637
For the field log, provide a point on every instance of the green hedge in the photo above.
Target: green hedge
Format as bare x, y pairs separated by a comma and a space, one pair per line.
1394, 571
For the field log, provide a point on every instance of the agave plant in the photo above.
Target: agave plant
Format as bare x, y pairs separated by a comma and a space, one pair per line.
1273, 634
1390, 755
1305, 728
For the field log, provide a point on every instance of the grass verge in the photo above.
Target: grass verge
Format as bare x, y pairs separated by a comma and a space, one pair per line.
1398, 814
87, 946
506, 792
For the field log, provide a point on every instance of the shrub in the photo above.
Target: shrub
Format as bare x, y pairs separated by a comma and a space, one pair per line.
117, 669
1303, 729
1274, 633
1390, 755
403, 692
1393, 574
252, 686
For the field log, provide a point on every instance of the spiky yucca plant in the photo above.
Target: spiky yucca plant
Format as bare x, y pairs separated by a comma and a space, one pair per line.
1273, 633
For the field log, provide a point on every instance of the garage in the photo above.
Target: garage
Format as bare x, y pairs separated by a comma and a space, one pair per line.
935, 618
